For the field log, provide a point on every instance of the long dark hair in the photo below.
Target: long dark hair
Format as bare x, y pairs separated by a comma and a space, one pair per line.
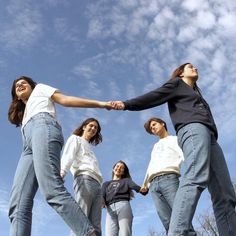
177, 74
17, 107
97, 138
126, 173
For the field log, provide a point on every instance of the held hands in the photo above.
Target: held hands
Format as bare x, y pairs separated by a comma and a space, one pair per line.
143, 190
113, 105
117, 105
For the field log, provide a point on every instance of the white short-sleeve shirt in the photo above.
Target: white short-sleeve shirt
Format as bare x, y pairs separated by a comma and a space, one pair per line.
39, 101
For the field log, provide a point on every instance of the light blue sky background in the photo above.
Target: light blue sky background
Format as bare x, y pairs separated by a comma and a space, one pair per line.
108, 50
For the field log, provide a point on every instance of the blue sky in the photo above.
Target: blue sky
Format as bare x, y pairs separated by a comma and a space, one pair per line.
114, 50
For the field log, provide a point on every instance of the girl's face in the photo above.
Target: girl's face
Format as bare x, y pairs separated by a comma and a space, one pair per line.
90, 130
23, 90
119, 169
190, 72
156, 127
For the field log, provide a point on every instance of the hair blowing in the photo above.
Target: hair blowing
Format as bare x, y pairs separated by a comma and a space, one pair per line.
177, 74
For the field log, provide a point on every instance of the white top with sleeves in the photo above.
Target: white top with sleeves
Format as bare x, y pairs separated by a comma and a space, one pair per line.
39, 101
166, 157
79, 158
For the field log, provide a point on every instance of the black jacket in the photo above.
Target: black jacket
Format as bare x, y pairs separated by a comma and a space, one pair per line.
185, 104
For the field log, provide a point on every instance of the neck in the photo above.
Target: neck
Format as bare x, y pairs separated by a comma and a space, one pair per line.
86, 137
115, 177
164, 134
189, 81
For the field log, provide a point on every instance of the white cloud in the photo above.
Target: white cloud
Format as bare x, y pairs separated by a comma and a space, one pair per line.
24, 26
4, 202
187, 33
192, 5
205, 20
84, 71
227, 24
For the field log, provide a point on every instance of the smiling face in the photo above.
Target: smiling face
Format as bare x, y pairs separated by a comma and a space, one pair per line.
118, 170
90, 130
23, 90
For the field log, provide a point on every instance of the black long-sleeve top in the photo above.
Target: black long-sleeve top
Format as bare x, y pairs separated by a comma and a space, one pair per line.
119, 190
186, 105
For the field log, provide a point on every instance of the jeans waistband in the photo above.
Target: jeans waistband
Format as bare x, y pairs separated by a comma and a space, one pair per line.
86, 177
157, 177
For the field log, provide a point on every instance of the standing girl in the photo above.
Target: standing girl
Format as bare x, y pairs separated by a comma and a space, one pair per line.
204, 161
80, 159
117, 194
33, 109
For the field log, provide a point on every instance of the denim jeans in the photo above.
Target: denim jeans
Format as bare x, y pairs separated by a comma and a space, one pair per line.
163, 189
204, 166
119, 219
39, 167
88, 194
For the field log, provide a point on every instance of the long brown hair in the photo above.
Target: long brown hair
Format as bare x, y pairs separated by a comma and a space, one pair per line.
17, 107
177, 74
126, 173
97, 138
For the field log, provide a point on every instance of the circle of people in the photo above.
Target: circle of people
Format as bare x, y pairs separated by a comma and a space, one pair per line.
41, 165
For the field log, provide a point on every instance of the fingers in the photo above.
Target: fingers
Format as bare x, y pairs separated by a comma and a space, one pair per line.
116, 105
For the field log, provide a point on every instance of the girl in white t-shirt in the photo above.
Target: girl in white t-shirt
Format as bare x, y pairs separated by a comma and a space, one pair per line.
32, 108
79, 158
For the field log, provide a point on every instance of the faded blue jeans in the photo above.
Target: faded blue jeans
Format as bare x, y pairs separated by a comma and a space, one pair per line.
163, 189
204, 166
39, 167
88, 194
119, 219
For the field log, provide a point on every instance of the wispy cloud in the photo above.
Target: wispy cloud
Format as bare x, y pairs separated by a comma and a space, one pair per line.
4, 202
24, 25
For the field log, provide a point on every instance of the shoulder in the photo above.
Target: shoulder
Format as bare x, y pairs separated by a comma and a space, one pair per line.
106, 183
44, 89
172, 139
173, 82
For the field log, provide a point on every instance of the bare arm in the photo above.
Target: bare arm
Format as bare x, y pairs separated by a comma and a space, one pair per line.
71, 101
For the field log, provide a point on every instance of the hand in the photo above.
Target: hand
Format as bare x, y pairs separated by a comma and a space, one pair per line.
117, 105
62, 174
143, 189
108, 105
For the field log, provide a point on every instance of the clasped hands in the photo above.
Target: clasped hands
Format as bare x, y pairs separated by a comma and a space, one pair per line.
115, 105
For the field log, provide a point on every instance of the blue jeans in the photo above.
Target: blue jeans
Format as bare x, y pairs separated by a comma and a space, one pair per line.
119, 219
163, 189
39, 167
88, 194
204, 166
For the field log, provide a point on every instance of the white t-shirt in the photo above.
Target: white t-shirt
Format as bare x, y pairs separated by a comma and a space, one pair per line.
39, 101
79, 158
166, 157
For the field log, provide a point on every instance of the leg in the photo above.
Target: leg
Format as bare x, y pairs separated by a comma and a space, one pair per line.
125, 218
88, 195
96, 210
162, 205
194, 139
47, 141
23, 191
112, 225
222, 192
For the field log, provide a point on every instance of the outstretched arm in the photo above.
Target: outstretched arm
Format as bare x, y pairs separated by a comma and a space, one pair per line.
71, 101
